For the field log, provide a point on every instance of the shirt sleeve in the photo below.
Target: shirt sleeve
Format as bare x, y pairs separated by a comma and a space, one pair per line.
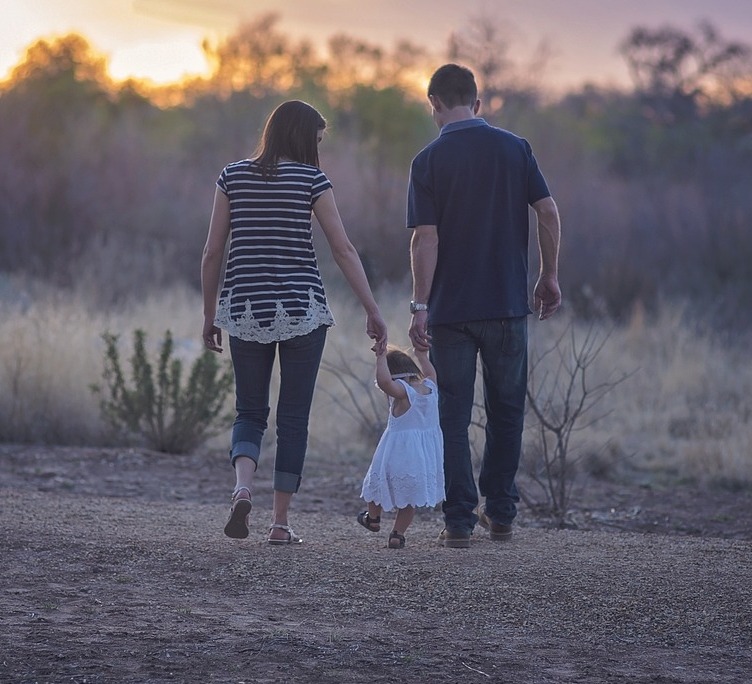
421, 209
222, 181
320, 185
537, 188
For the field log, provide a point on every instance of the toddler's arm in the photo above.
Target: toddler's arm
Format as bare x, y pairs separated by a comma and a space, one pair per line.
384, 377
426, 367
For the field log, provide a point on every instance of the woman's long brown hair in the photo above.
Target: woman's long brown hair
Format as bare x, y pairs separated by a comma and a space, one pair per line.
291, 132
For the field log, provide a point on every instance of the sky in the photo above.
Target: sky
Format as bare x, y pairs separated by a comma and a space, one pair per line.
161, 39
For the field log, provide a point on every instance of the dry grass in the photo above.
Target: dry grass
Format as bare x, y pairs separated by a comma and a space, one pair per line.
54, 353
683, 414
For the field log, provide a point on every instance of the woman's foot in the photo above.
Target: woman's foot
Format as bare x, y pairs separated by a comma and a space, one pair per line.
237, 524
283, 534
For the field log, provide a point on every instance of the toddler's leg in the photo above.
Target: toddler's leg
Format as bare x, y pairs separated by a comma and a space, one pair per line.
401, 523
404, 518
371, 518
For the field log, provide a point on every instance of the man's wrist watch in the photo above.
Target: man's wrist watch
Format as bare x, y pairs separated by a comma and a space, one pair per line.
415, 306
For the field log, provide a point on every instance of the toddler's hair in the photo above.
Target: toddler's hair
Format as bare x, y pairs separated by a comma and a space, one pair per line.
401, 363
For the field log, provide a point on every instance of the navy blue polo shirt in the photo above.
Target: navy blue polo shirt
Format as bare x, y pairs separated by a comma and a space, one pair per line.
475, 183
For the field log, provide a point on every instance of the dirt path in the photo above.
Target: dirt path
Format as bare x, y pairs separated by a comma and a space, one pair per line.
114, 569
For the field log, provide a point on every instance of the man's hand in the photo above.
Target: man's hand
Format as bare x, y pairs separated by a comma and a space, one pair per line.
547, 296
419, 331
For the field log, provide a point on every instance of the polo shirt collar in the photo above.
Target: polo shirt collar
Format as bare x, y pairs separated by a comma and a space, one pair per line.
460, 125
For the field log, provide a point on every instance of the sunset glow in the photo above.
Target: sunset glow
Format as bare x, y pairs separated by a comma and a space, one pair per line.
160, 40
160, 63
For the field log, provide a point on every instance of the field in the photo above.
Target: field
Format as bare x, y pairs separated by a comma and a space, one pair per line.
679, 410
115, 569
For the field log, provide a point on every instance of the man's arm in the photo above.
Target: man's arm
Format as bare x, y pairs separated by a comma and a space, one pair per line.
547, 294
424, 251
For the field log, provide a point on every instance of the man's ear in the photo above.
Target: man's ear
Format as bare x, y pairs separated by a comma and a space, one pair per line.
436, 103
476, 107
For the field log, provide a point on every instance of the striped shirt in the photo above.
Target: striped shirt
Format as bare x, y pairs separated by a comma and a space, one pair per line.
272, 288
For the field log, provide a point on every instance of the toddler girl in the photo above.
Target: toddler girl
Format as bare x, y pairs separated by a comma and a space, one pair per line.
407, 469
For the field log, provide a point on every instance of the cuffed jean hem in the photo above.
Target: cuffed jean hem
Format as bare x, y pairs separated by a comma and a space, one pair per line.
248, 449
286, 482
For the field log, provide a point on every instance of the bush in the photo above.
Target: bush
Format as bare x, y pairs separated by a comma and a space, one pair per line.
161, 411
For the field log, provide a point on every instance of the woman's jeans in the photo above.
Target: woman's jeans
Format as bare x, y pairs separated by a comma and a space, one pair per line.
502, 345
299, 359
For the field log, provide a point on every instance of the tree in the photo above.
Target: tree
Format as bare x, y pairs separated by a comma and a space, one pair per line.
260, 59
676, 72
57, 96
485, 46
52, 59
355, 63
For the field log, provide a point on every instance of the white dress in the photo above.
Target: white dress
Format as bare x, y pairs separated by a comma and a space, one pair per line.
407, 468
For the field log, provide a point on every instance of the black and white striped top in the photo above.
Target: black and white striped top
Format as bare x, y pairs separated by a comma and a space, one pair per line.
272, 289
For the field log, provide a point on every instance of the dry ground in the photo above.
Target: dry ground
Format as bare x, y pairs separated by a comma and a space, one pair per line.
114, 569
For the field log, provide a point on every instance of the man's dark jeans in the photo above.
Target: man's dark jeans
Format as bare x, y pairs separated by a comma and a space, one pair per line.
502, 346
299, 359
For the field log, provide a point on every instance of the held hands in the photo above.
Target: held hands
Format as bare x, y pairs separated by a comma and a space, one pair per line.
376, 330
419, 332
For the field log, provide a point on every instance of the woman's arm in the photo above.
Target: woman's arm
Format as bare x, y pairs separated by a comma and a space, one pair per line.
346, 257
211, 268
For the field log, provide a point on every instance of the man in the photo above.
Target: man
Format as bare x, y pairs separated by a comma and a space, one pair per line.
468, 207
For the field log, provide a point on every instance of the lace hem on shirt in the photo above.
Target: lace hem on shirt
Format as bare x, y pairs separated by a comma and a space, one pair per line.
245, 326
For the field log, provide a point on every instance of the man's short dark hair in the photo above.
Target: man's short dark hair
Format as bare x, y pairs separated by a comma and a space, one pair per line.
454, 85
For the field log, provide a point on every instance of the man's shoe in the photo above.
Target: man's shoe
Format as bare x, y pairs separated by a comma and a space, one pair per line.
497, 531
454, 539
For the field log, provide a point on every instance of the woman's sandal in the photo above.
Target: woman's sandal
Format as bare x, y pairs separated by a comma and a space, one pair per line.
396, 540
292, 538
237, 524
371, 524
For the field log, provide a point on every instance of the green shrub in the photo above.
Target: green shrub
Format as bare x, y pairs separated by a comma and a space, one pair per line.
159, 410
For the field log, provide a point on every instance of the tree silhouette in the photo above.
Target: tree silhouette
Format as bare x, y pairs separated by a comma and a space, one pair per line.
676, 72
484, 45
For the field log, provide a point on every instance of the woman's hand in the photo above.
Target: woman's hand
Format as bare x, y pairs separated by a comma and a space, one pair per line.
212, 336
376, 330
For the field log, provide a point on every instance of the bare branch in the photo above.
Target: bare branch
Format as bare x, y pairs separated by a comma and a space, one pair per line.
559, 402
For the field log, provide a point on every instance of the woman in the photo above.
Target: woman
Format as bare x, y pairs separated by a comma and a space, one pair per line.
273, 299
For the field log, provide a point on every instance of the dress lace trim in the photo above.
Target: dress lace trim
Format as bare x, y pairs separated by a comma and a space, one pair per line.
244, 326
